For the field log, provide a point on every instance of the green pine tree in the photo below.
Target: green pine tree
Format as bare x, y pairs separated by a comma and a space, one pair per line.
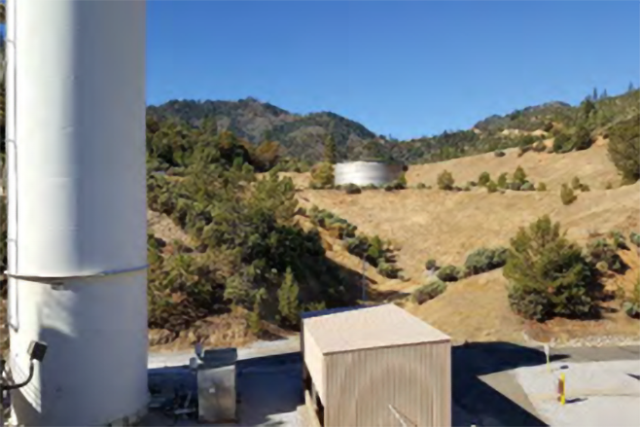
330, 150
288, 303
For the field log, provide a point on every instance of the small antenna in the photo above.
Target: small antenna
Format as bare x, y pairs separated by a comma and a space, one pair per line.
364, 279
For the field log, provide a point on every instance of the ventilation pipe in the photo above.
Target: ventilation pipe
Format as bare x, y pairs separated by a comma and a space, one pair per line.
77, 209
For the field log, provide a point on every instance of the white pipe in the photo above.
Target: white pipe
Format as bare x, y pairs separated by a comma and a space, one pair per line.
10, 159
77, 209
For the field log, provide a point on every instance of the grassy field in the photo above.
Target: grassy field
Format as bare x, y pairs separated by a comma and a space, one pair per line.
446, 226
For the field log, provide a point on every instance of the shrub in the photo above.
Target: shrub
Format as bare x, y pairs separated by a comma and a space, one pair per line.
566, 195
502, 180
358, 246
542, 186
492, 187
624, 148
421, 186
389, 187
602, 267
527, 186
519, 175
445, 180
631, 304
352, 189
515, 186
539, 147
485, 259
370, 187
463, 272
635, 238
618, 239
524, 149
387, 270
472, 184
562, 143
581, 139
322, 176
429, 291
499, 153
548, 275
584, 188
608, 185
448, 273
484, 178
575, 183
431, 264
340, 227
376, 251
601, 252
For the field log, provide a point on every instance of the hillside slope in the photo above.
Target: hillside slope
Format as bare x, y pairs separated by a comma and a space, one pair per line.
448, 225
301, 136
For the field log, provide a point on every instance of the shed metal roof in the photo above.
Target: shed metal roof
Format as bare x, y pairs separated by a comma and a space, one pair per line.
371, 327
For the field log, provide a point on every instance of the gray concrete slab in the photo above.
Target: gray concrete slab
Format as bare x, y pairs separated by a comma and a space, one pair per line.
603, 393
269, 389
594, 354
507, 384
258, 349
487, 388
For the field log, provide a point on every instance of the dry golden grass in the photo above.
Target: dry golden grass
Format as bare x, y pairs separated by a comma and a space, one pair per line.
447, 226
591, 166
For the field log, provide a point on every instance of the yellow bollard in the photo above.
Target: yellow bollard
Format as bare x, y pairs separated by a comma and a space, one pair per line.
561, 389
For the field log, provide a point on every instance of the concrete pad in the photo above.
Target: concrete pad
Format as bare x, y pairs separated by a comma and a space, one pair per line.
597, 393
600, 354
269, 384
507, 384
633, 350
257, 349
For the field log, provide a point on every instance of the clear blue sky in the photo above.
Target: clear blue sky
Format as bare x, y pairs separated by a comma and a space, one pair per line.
401, 68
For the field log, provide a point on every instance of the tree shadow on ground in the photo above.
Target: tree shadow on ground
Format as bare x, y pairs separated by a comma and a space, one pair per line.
485, 405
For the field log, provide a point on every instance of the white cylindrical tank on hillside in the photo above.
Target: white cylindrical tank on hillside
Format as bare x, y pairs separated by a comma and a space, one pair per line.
77, 209
366, 173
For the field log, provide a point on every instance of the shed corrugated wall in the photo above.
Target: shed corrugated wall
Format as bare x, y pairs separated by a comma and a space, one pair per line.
315, 362
415, 379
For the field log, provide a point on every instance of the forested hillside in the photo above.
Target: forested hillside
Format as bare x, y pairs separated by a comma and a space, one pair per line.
248, 251
301, 137
572, 127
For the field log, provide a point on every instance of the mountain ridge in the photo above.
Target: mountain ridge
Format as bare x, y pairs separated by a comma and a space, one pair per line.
301, 136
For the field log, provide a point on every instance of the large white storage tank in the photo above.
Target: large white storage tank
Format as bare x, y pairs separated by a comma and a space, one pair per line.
77, 209
366, 173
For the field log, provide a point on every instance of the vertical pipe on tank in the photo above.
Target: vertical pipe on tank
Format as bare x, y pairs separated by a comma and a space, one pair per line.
77, 209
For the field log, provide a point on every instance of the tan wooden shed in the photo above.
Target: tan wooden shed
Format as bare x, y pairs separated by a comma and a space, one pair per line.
376, 366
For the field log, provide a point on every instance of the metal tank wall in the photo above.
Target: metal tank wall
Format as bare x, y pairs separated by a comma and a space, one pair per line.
366, 173
77, 209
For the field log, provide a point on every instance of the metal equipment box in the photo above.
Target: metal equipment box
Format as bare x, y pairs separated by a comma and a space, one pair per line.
217, 386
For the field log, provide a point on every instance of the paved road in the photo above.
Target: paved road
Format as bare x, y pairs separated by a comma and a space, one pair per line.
487, 381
